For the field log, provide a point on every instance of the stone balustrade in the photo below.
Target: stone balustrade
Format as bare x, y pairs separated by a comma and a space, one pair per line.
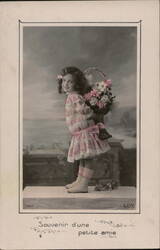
48, 169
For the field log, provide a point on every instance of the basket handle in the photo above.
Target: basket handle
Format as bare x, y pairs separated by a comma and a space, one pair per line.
90, 69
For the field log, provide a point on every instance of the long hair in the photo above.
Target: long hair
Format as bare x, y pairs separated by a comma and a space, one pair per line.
78, 77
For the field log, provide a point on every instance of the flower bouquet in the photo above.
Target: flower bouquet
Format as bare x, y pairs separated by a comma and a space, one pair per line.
106, 185
99, 98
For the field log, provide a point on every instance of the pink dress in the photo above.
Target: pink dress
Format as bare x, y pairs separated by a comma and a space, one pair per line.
85, 142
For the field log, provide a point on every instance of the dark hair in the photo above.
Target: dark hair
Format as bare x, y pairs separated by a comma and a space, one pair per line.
78, 77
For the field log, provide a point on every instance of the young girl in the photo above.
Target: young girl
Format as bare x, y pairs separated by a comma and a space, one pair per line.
85, 144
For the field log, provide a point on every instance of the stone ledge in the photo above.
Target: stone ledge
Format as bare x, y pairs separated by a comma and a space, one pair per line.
60, 192
57, 198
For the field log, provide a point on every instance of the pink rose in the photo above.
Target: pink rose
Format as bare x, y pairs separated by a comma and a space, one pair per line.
94, 92
108, 83
91, 94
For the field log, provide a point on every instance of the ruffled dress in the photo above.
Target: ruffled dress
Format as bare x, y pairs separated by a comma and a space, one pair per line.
85, 142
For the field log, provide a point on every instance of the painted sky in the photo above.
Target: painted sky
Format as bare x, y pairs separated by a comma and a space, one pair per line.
46, 50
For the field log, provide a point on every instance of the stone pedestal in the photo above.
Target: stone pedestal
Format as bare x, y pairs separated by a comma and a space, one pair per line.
107, 165
114, 156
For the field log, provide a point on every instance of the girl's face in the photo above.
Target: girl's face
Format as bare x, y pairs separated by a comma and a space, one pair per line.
68, 83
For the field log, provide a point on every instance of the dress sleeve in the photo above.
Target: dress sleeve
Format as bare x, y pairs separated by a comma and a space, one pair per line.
81, 106
69, 108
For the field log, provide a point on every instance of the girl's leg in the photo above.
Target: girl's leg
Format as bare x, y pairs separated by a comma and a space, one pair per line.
85, 176
80, 172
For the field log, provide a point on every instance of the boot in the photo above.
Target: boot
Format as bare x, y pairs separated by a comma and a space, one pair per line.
80, 171
82, 185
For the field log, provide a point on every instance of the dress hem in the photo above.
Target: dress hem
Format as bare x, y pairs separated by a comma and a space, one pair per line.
89, 156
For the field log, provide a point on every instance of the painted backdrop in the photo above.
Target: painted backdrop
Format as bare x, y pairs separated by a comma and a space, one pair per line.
48, 49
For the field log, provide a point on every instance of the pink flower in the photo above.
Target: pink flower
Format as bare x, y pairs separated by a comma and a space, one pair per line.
101, 104
95, 93
87, 96
108, 83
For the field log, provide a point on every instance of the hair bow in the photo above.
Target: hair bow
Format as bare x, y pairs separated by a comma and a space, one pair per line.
59, 76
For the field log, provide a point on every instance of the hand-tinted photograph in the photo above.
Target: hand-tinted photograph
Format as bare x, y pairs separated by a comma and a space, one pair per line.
80, 128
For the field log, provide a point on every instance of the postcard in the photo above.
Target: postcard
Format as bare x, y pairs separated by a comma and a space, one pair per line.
79, 125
